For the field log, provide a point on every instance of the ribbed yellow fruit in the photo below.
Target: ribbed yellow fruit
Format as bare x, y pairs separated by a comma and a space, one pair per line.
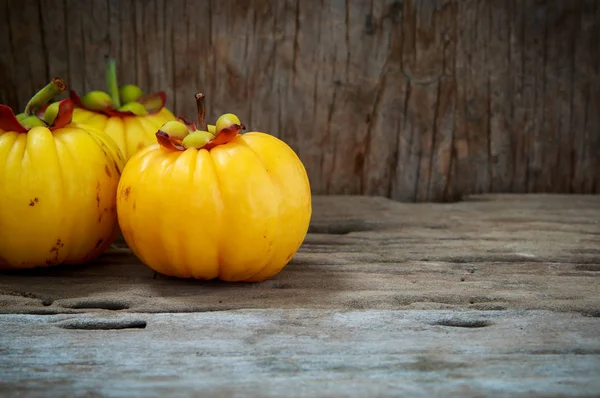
130, 132
237, 209
58, 188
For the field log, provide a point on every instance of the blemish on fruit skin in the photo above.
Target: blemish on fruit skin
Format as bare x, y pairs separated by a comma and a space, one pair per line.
99, 242
126, 192
98, 194
107, 171
105, 210
54, 250
33, 201
58, 245
103, 147
134, 205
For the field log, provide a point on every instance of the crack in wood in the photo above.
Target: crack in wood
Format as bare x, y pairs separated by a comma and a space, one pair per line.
100, 324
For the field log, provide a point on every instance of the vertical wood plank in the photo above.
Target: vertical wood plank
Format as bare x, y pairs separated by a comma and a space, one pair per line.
416, 100
30, 64
476, 103
75, 12
556, 137
9, 92
54, 33
521, 94
385, 120
535, 36
498, 64
125, 43
440, 160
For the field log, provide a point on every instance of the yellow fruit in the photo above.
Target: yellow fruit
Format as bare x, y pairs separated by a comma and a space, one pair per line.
130, 132
58, 189
238, 211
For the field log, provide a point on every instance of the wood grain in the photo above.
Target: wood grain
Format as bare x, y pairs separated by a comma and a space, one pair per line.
500, 252
301, 353
495, 295
413, 100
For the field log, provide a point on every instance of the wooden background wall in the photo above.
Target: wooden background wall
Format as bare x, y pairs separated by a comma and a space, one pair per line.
414, 99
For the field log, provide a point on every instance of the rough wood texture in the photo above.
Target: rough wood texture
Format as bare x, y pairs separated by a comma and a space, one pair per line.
496, 295
487, 253
414, 100
301, 353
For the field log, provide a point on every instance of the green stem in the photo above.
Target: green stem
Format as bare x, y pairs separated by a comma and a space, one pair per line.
111, 81
45, 95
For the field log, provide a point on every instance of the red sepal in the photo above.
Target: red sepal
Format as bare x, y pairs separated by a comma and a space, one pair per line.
8, 120
191, 126
167, 142
154, 102
64, 115
224, 136
40, 112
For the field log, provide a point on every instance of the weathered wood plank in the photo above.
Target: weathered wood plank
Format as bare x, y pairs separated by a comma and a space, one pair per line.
491, 252
301, 353
417, 100
497, 295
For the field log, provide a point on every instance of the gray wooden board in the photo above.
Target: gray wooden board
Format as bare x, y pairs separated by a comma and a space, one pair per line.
495, 296
273, 353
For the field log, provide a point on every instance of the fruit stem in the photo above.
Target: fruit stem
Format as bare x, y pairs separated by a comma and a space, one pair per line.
52, 89
201, 112
111, 81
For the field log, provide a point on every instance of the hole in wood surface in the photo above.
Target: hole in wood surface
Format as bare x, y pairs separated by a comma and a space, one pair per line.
463, 323
94, 324
104, 304
47, 301
44, 300
37, 311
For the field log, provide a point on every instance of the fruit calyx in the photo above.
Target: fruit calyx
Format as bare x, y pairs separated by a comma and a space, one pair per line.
126, 100
37, 112
182, 134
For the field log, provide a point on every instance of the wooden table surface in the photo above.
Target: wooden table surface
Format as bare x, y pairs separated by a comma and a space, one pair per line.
498, 295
